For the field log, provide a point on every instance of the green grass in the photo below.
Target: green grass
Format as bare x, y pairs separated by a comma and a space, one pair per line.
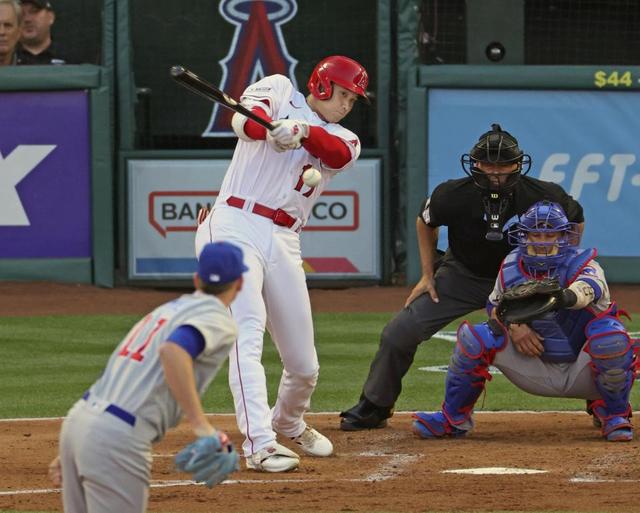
49, 361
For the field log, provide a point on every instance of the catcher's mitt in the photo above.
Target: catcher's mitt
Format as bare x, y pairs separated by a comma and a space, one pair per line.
529, 301
210, 459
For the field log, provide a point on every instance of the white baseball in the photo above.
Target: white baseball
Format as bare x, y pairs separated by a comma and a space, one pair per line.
311, 177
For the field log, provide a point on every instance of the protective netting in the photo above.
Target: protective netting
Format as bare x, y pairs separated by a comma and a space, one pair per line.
442, 37
582, 32
77, 31
596, 32
195, 34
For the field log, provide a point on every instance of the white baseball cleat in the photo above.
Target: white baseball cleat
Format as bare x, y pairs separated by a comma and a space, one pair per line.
273, 458
314, 443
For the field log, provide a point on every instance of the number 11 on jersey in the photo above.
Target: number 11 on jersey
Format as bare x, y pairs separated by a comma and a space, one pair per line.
135, 337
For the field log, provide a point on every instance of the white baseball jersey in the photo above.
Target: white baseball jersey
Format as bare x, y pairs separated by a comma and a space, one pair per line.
258, 173
274, 293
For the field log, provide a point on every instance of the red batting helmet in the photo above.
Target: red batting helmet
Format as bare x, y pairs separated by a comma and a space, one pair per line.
340, 70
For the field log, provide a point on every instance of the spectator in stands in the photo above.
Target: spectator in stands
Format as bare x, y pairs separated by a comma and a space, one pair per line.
10, 20
36, 45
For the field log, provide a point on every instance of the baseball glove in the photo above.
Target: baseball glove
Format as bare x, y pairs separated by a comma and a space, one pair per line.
210, 459
530, 300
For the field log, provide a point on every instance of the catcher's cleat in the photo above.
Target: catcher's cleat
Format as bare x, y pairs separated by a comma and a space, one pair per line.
364, 415
594, 418
314, 443
273, 458
436, 425
618, 429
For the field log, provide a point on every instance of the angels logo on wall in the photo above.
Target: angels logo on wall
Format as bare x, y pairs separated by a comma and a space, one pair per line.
257, 50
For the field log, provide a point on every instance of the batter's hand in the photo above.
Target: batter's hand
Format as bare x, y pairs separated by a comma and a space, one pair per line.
55, 472
287, 134
426, 285
202, 214
526, 340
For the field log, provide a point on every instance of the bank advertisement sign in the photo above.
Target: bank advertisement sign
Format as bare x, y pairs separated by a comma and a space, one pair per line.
45, 195
586, 141
340, 241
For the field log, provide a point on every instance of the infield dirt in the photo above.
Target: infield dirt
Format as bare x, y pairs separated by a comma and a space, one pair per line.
380, 470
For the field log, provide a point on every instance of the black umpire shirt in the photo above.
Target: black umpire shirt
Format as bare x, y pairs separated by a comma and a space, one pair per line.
458, 205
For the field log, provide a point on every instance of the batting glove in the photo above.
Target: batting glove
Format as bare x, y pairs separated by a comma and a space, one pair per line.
287, 134
210, 459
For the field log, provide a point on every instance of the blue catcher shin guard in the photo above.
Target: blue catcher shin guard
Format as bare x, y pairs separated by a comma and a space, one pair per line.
466, 377
613, 362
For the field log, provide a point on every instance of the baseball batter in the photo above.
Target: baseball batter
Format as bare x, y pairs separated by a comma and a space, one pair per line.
153, 377
582, 350
262, 206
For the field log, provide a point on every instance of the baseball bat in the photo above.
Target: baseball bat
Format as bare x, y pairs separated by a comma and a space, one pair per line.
206, 89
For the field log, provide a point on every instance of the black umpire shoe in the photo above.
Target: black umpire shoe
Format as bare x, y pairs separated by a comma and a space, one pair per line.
364, 415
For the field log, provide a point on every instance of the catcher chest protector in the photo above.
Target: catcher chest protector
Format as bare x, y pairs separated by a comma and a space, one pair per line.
614, 364
467, 374
563, 331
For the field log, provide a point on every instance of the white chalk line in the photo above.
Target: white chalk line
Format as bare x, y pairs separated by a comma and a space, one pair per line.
451, 336
334, 413
591, 479
387, 470
598, 465
392, 467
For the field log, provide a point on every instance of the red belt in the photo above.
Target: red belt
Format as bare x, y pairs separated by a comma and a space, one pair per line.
279, 216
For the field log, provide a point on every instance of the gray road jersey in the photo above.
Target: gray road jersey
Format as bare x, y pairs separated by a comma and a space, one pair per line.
134, 378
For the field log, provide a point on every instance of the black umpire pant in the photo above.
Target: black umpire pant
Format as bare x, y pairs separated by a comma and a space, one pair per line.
460, 292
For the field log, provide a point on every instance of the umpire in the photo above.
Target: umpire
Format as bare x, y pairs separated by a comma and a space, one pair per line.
477, 211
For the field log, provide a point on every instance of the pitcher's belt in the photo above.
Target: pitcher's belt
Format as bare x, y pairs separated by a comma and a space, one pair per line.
279, 216
116, 411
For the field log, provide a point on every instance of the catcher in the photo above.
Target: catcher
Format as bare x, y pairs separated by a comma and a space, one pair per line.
552, 298
154, 376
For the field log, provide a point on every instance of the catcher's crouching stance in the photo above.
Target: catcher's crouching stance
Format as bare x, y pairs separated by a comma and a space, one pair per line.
553, 332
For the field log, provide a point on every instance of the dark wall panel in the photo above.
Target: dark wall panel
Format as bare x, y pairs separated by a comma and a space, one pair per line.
196, 35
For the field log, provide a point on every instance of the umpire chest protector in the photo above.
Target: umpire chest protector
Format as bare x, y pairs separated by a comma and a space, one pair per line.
563, 331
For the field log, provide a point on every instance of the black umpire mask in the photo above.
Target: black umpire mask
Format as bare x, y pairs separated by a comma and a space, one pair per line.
496, 149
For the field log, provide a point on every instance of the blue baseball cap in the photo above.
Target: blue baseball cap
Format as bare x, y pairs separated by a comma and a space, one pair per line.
220, 263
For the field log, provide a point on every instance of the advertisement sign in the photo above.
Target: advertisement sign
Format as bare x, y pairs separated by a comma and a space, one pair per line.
586, 141
45, 175
341, 239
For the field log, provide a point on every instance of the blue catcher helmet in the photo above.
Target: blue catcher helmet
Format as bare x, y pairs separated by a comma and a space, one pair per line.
543, 236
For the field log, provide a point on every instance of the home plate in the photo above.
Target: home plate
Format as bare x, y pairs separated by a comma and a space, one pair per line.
494, 470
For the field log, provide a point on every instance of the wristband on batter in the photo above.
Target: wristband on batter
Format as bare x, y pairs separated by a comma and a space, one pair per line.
247, 129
